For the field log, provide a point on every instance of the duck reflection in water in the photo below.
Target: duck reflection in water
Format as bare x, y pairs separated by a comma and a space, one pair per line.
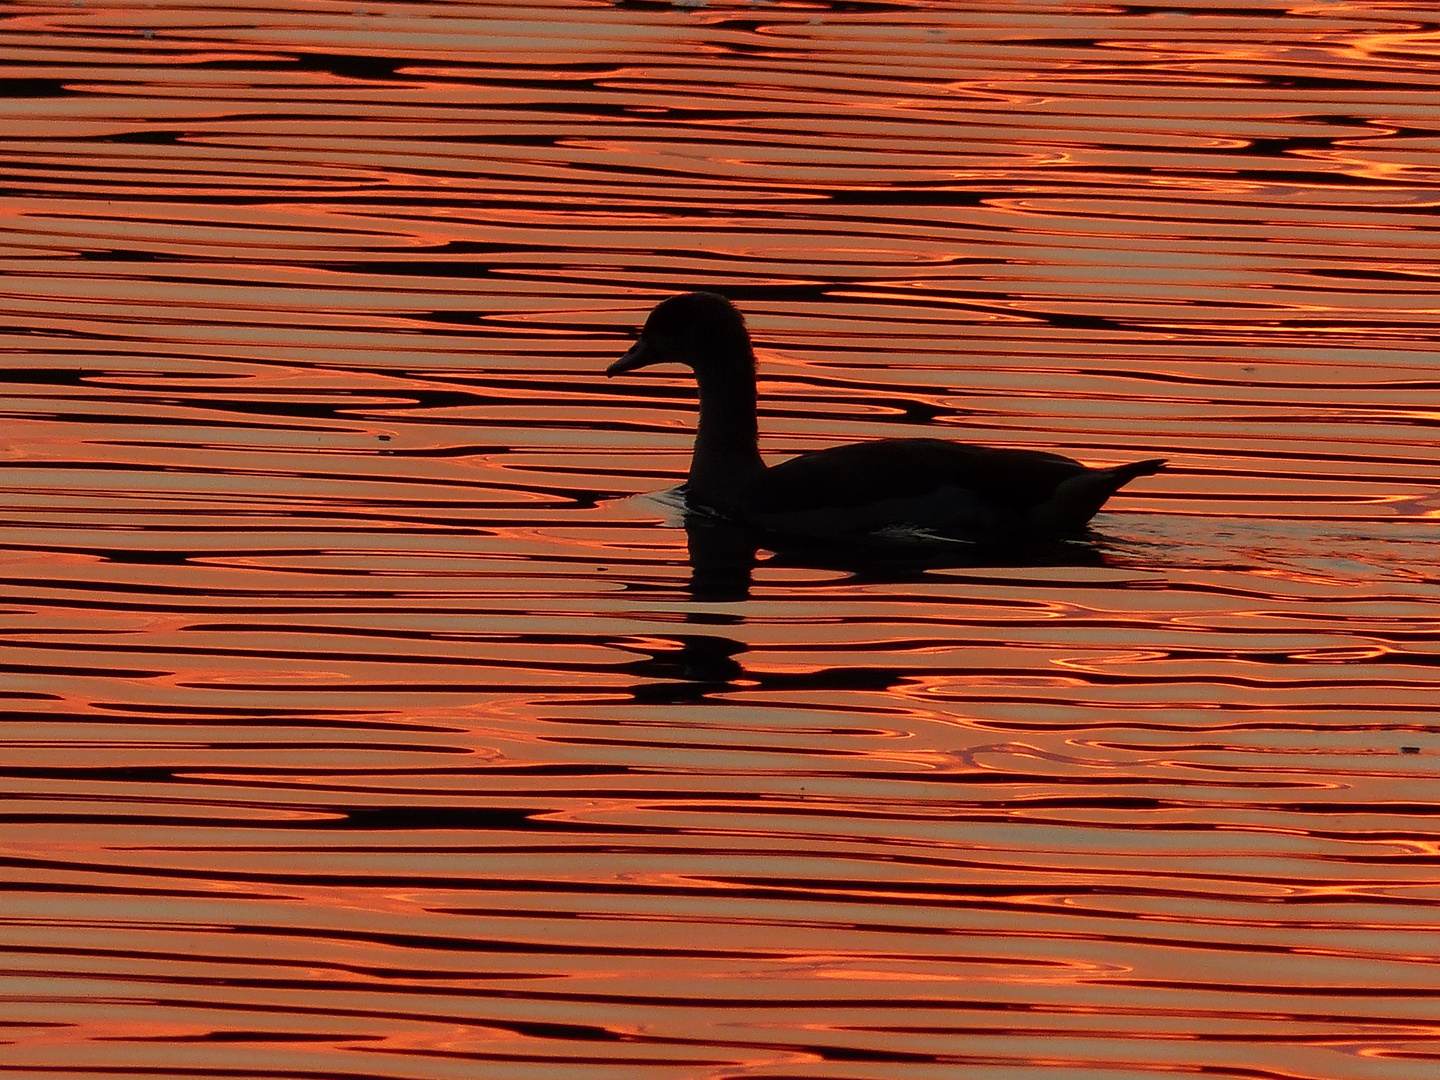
893, 503
724, 555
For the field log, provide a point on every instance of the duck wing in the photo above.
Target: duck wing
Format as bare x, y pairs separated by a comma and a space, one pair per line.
933, 484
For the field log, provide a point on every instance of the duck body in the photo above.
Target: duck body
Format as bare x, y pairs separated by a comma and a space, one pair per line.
934, 485
952, 489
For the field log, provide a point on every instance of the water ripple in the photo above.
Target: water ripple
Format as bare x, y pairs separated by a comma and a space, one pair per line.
371, 713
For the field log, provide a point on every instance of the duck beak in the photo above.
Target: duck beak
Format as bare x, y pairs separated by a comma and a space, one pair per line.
640, 355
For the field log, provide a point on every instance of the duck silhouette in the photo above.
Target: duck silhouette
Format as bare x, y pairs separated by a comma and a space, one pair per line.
928, 486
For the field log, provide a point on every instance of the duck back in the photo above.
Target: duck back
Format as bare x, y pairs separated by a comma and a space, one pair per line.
933, 485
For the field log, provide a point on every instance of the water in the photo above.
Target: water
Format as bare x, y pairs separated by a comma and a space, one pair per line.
366, 716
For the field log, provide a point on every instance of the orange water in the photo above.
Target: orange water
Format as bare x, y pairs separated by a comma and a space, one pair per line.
363, 717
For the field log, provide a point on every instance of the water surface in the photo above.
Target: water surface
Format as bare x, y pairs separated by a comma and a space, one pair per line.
365, 715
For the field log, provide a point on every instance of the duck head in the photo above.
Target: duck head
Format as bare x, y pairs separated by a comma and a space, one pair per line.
704, 332
701, 330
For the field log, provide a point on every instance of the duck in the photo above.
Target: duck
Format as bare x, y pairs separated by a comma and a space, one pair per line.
921, 486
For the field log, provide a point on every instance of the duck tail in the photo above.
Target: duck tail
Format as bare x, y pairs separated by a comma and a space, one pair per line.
1075, 501
1123, 474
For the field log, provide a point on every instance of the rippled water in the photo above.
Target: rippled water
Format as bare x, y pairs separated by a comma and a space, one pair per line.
366, 717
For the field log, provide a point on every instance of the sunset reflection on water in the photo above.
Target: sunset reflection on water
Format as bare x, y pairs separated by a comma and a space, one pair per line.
372, 713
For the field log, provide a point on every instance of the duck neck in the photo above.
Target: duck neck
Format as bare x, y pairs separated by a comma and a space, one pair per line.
727, 450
